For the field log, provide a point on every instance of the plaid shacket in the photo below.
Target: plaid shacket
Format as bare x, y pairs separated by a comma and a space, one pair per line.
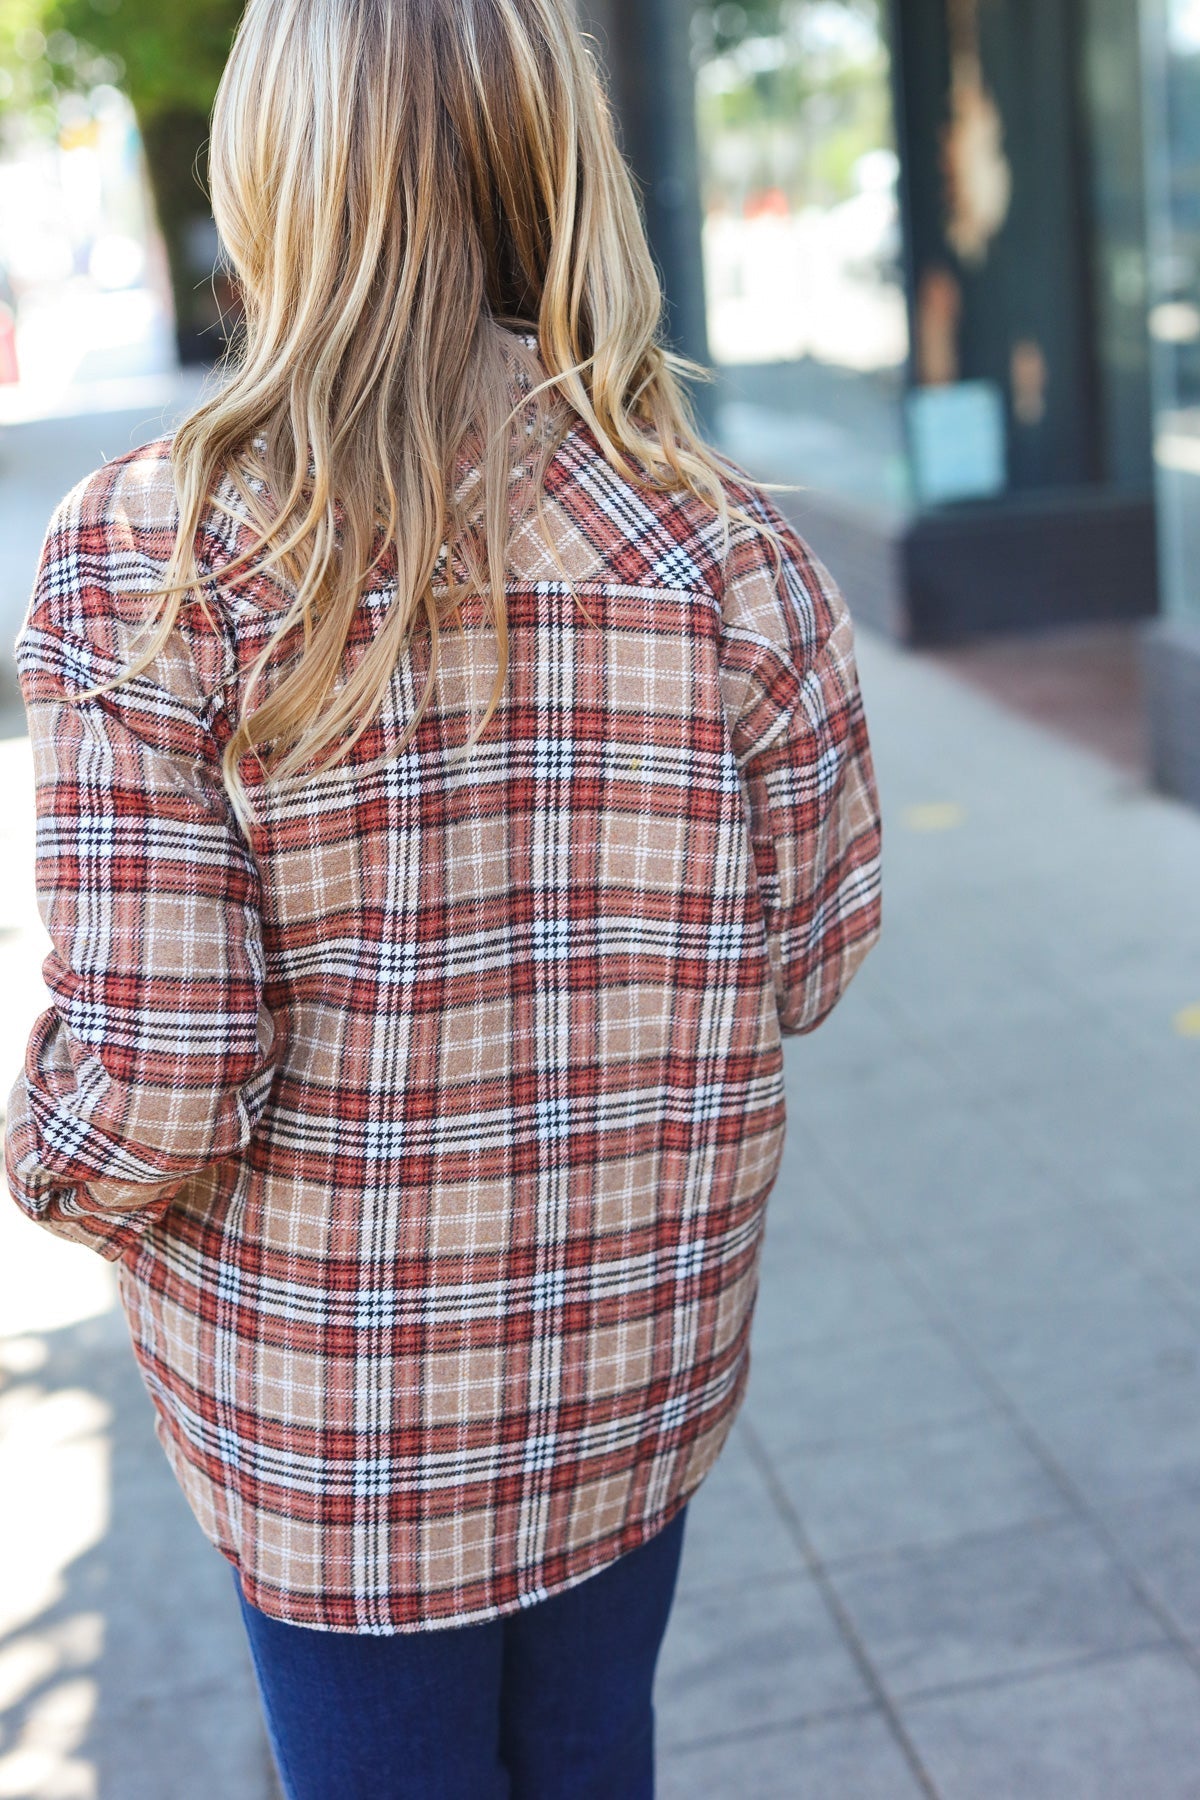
430, 1123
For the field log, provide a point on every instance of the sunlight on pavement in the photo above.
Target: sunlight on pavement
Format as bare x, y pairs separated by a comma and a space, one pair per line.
54, 1507
42, 1766
55, 1447
44, 1283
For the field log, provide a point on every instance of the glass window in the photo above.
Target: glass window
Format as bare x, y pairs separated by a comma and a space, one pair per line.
807, 316
1173, 117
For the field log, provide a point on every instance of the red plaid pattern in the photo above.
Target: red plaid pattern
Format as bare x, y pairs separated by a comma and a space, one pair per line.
431, 1123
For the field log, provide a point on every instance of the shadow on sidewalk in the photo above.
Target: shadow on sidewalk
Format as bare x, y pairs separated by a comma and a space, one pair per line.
125, 1671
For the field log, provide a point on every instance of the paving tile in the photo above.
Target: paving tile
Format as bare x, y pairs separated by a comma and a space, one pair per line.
1109, 1136
734, 1531
1111, 1390
1084, 682
1126, 1728
859, 1036
980, 997
1088, 1349
1052, 1049
81, 1738
1135, 1447
1165, 1228
1160, 1536
852, 1758
167, 1593
808, 1296
963, 1177
750, 1654
1000, 1264
871, 1110
918, 1488
1000, 1604
190, 1745
855, 1389
805, 1212
1144, 983
944, 1166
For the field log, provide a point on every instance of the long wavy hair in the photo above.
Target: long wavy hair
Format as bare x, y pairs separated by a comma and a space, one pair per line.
400, 186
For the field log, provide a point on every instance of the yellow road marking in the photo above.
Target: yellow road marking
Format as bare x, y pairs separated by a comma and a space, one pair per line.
935, 815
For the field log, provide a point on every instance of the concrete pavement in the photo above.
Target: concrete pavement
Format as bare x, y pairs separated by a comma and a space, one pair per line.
950, 1549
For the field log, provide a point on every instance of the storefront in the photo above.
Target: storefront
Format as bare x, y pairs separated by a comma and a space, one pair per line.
923, 247
1172, 64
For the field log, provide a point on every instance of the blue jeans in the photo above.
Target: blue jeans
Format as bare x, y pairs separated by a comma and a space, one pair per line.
549, 1703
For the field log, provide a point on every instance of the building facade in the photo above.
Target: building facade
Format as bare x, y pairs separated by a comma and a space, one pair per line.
945, 257
1171, 61
924, 247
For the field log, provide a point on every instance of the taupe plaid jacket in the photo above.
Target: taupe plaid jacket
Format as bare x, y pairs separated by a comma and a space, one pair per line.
430, 1124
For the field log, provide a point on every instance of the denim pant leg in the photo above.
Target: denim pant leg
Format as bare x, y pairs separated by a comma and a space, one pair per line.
410, 1716
552, 1703
577, 1716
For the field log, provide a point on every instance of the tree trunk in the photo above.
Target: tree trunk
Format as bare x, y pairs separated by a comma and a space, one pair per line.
176, 155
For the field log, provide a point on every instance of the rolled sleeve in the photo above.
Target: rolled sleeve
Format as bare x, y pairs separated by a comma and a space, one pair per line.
805, 759
155, 1056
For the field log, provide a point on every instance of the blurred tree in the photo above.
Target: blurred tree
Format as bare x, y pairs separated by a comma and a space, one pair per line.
725, 24
803, 92
719, 25
171, 56
27, 86
168, 56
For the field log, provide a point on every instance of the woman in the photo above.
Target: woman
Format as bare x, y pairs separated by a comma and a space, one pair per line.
418, 1066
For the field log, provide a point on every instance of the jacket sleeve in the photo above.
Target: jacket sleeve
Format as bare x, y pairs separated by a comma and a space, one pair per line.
154, 1058
800, 736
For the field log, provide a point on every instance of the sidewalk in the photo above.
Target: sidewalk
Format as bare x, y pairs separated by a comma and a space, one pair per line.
953, 1550
951, 1547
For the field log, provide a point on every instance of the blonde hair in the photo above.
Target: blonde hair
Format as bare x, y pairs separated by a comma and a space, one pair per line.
400, 186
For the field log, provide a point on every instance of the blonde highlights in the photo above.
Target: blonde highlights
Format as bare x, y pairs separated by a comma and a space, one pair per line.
399, 185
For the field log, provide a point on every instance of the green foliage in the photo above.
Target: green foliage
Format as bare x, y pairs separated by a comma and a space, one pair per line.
789, 108
171, 52
166, 54
720, 25
27, 68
